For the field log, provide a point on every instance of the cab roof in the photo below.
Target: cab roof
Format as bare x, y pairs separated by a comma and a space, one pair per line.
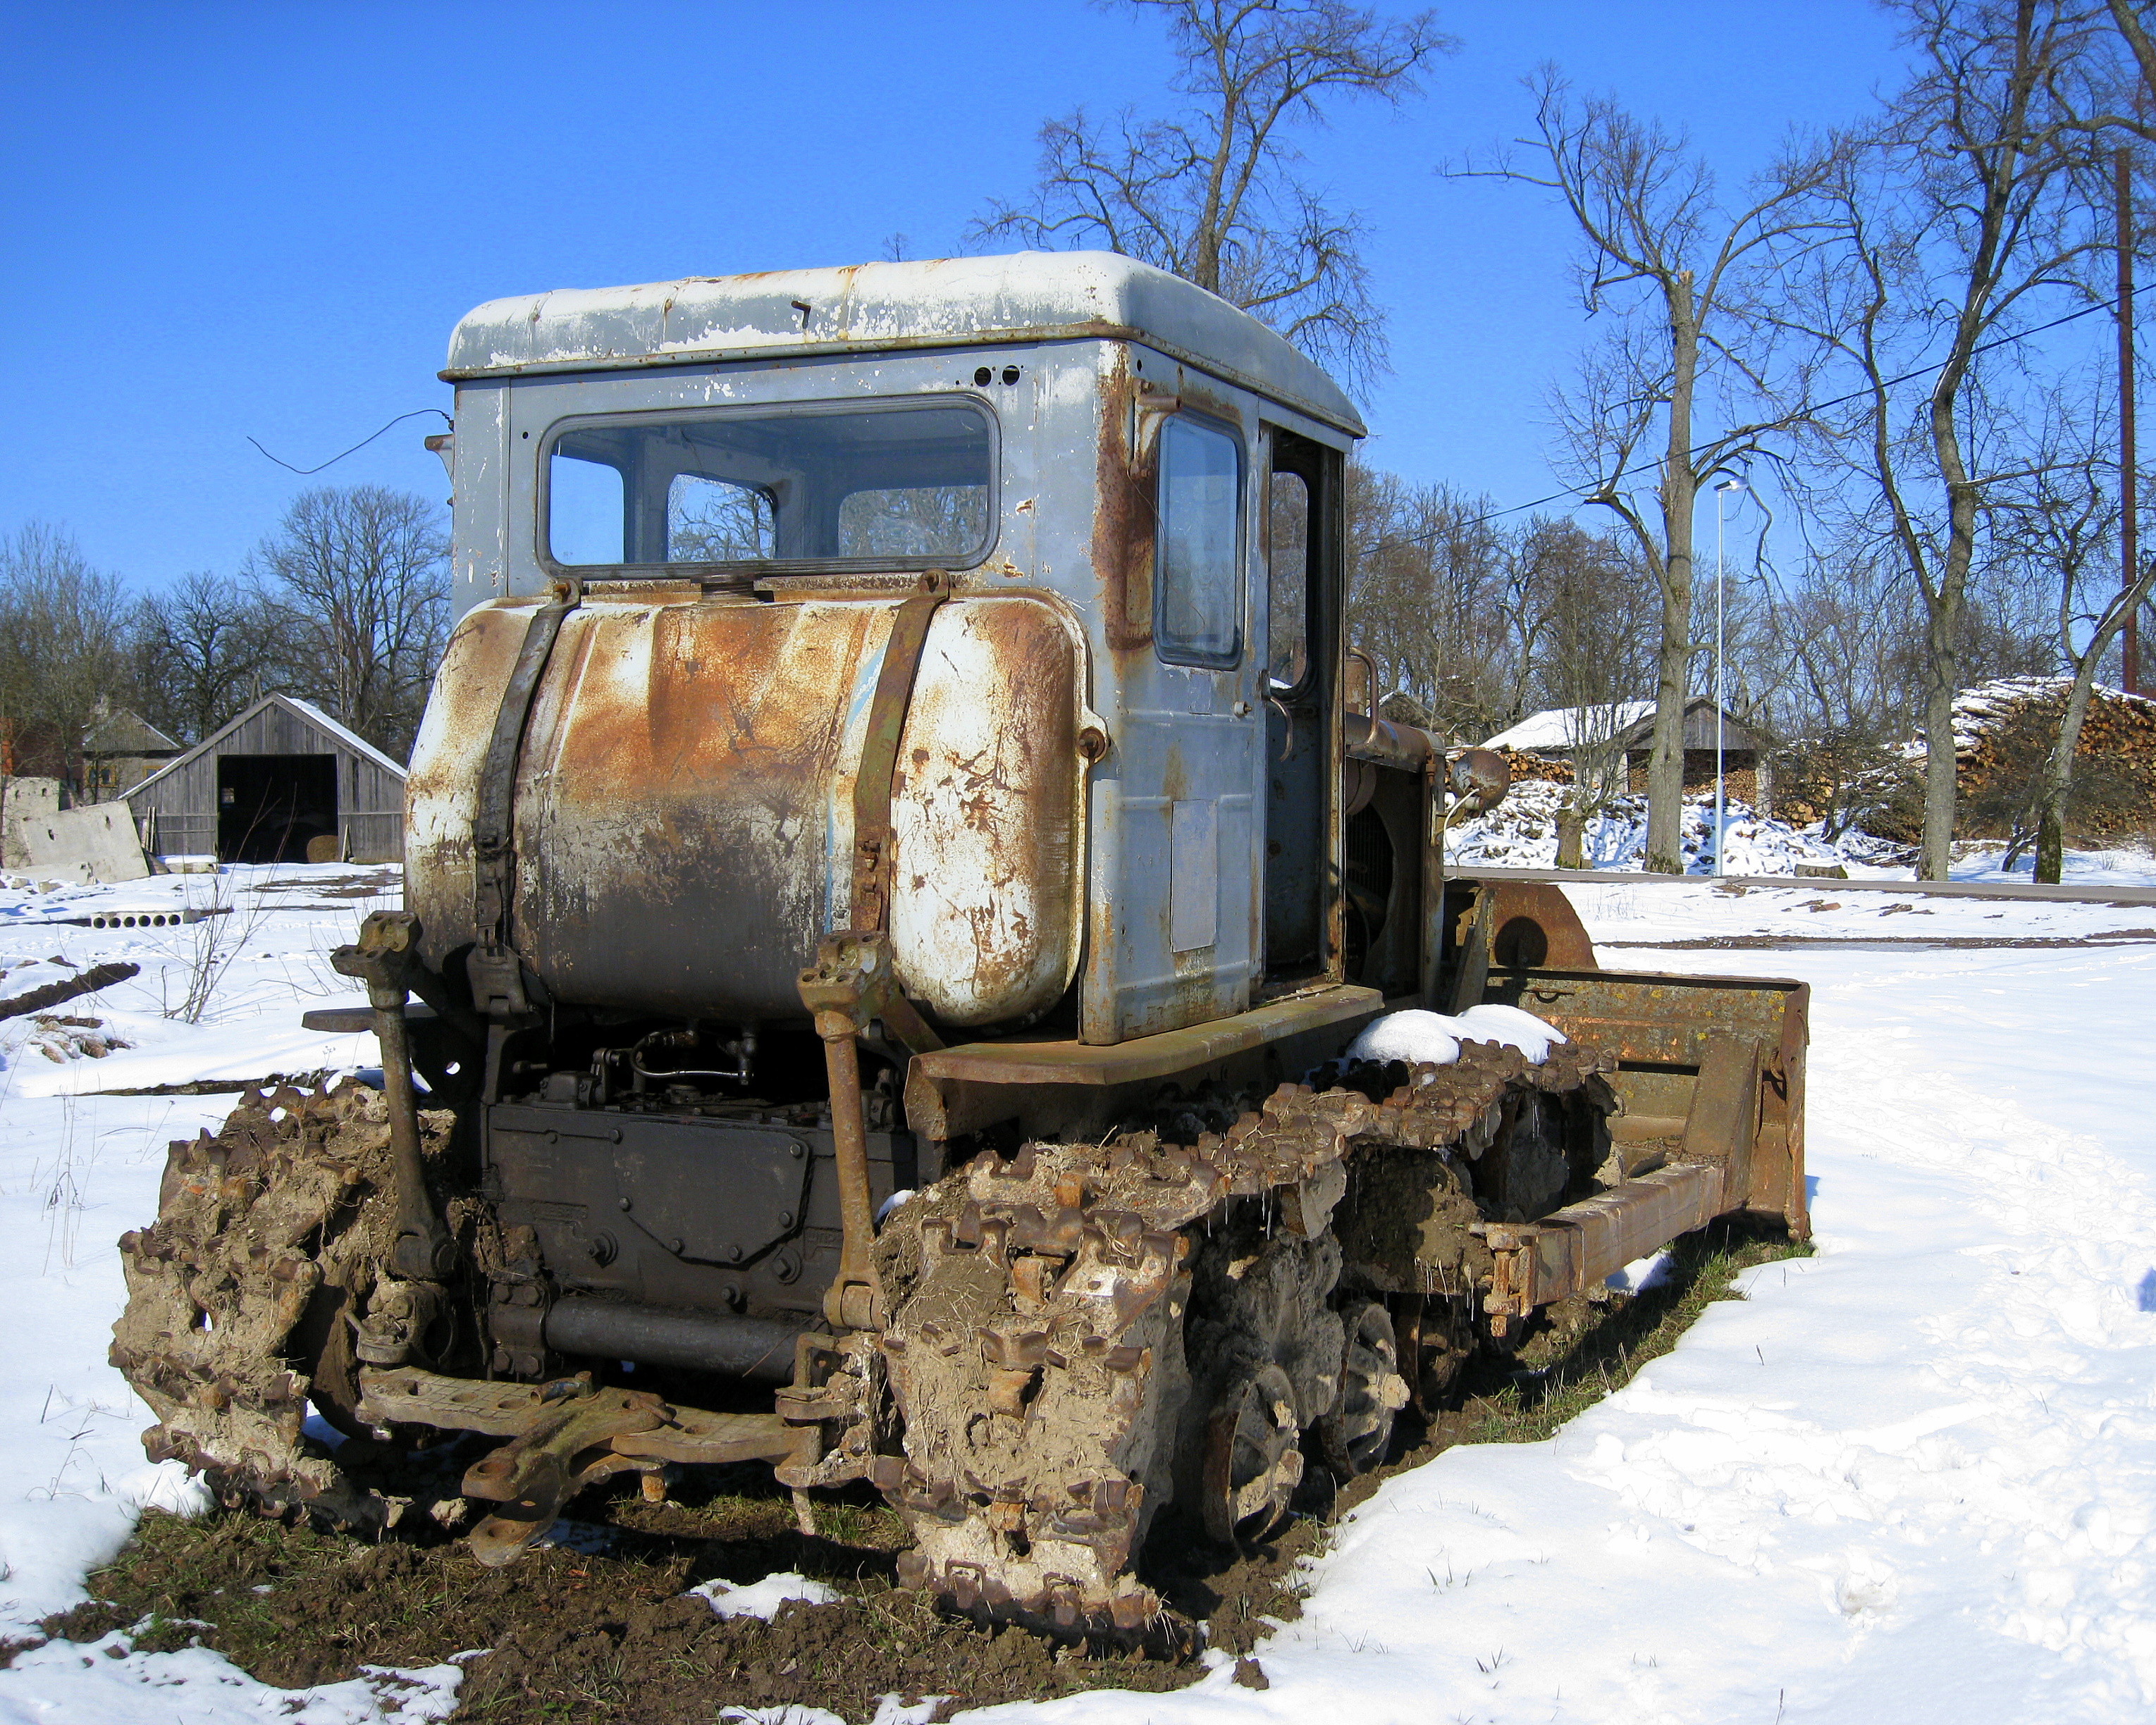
946, 302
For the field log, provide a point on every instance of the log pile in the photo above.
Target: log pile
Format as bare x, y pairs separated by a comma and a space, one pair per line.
2003, 736
1529, 767
1856, 780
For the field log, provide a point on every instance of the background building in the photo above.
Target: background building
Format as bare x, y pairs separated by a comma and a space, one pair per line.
281, 777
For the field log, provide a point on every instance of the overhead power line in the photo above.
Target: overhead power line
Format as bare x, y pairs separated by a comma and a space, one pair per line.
416, 413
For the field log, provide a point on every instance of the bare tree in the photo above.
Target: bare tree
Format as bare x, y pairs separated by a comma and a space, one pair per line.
357, 579
1955, 220
2136, 102
1673, 264
1213, 193
1426, 601
60, 635
1592, 647
1845, 631
201, 651
1470, 622
2065, 525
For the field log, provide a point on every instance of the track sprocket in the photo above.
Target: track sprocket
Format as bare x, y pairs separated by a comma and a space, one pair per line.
243, 1296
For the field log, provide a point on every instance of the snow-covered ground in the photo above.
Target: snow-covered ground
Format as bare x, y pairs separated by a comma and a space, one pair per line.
2125, 867
1912, 1478
1521, 832
78, 1168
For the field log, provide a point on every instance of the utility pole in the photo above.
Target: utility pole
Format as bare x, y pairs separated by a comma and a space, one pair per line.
1721, 822
2129, 548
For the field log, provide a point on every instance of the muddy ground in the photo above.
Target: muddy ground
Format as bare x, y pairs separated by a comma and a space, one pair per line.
597, 1628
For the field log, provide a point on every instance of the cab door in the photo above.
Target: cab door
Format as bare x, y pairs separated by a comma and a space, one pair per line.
1304, 531
1185, 830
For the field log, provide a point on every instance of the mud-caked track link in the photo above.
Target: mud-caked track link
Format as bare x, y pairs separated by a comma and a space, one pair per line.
1081, 1333
243, 1296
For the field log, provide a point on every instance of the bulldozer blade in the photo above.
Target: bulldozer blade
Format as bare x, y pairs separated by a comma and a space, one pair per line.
1710, 1073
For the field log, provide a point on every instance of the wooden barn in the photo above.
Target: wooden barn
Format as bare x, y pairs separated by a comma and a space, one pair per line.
282, 782
1629, 726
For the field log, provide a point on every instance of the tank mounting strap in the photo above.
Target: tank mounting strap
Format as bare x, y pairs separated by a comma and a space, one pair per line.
876, 777
497, 977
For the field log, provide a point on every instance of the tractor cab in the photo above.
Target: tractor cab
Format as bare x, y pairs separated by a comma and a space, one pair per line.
1048, 546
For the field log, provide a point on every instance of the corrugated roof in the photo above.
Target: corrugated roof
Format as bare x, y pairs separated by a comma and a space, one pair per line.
947, 302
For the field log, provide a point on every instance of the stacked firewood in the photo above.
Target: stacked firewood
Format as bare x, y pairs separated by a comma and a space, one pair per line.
1528, 767
1852, 781
2004, 733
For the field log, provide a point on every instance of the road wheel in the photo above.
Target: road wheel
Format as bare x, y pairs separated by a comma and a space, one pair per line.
1252, 1460
1434, 1335
1356, 1434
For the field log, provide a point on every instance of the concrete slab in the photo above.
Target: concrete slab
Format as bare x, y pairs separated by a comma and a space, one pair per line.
92, 844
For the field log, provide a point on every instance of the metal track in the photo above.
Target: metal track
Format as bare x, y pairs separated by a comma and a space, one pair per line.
266, 1243
1077, 1335
1083, 1334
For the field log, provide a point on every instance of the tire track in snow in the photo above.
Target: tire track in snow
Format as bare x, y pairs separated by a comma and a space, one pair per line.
2017, 1249
1910, 1479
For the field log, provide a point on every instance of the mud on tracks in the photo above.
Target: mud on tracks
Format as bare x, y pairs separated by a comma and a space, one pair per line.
606, 1634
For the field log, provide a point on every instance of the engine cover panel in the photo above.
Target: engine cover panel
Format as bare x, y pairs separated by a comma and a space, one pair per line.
679, 1209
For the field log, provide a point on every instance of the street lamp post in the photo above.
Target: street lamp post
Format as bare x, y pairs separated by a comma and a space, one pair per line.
1721, 491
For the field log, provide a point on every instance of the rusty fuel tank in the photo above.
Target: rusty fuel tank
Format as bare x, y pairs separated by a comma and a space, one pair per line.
683, 806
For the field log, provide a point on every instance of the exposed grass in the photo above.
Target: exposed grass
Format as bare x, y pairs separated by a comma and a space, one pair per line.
290, 1604
1583, 1349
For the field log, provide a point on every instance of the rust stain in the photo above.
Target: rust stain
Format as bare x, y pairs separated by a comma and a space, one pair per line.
684, 790
1123, 517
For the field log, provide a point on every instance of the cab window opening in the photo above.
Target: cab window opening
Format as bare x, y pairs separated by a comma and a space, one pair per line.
1287, 581
1196, 558
875, 486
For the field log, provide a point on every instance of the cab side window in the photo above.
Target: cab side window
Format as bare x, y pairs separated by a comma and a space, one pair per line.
1197, 609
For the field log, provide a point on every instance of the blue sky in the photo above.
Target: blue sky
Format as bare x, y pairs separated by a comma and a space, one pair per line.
234, 220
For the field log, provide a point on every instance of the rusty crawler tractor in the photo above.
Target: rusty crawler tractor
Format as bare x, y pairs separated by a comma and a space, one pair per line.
895, 854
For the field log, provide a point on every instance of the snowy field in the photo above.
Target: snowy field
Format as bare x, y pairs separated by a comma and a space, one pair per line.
1912, 1478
